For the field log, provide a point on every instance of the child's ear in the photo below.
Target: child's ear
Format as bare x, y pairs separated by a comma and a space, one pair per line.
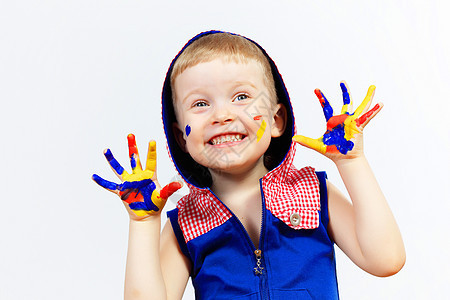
279, 120
179, 136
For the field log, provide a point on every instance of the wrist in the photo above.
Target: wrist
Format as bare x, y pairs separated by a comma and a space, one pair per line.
350, 162
150, 219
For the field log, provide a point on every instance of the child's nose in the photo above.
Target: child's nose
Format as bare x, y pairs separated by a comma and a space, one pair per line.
223, 115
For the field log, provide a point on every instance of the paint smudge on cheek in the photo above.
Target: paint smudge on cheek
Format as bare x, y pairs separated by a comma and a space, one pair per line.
261, 130
187, 130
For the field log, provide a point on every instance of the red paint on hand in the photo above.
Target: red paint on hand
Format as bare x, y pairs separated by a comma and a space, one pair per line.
332, 149
320, 96
169, 189
130, 196
364, 117
132, 149
336, 120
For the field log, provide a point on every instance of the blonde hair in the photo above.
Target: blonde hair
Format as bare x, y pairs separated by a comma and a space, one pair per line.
223, 45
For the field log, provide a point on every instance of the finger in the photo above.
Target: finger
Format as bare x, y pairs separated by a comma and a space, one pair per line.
169, 189
364, 106
346, 98
110, 186
117, 168
151, 158
327, 109
315, 144
133, 152
365, 118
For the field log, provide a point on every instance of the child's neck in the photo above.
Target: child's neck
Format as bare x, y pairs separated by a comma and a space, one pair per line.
229, 184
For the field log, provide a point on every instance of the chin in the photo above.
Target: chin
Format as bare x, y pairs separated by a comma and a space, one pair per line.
237, 166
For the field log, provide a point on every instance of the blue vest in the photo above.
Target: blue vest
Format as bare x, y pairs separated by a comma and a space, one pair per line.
293, 264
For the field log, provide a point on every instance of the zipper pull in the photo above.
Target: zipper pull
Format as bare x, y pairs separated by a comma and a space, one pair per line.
258, 269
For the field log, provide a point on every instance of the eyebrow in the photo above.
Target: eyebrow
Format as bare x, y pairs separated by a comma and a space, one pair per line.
194, 91
233, 87
240, 83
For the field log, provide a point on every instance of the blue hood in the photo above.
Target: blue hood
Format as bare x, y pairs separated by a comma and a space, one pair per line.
199, 176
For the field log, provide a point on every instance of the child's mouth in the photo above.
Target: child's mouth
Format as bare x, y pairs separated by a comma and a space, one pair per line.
226, 138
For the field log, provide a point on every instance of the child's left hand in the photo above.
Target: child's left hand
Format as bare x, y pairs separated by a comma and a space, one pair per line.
343, 138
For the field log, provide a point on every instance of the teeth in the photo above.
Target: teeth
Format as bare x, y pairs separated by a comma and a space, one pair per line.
226, 139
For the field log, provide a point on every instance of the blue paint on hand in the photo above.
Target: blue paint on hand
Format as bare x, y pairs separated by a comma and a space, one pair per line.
105, 183
327, 109
113, 162
336, 137
133, 161
127, 185
145, 187
345, 94
187, 130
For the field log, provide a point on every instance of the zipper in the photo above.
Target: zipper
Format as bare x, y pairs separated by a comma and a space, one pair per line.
259, 261
263, 284
258, 269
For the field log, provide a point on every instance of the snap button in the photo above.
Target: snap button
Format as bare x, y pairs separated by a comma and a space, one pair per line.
295, 219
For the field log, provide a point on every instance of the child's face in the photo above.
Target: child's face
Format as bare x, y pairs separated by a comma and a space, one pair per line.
225, 118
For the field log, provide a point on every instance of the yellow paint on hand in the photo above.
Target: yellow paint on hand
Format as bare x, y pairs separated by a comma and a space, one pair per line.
157, 200
366, 101
316, 144
344, 109
142, 213
137, 176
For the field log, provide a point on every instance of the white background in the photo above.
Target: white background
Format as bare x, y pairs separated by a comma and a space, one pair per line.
78, 76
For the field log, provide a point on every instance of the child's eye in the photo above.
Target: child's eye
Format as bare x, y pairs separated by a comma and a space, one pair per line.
199, 104
241, 97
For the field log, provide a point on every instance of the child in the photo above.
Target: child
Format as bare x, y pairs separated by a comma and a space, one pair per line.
252, 226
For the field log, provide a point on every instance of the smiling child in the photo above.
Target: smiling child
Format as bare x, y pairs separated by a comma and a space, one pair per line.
252, 226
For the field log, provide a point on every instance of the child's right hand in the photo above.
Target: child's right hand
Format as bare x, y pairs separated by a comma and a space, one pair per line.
140, 190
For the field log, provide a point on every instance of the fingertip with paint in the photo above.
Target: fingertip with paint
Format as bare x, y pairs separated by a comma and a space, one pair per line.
318, 92
108, 153
345, 94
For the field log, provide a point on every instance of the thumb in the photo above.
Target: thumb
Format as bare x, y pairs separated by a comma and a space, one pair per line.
170, 188
315, 144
